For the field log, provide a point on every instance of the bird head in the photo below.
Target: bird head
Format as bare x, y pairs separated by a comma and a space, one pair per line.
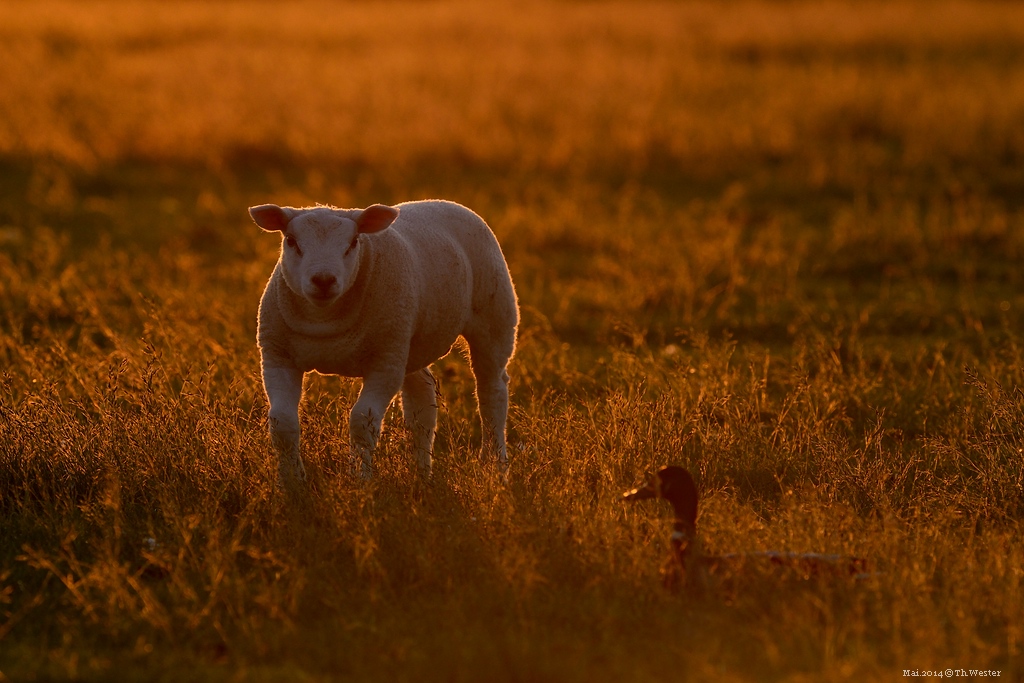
674, 484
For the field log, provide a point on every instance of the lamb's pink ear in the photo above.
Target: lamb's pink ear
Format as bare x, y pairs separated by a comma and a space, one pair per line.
271, 217
375, 218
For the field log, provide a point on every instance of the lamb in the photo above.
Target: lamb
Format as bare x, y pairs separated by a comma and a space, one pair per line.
381, 293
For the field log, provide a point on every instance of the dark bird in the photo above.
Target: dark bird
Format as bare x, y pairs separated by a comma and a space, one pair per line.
688, 564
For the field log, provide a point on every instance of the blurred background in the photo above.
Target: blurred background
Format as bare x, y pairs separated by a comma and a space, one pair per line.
760, 146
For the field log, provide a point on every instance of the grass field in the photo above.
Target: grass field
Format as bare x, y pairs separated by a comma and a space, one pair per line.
777, 242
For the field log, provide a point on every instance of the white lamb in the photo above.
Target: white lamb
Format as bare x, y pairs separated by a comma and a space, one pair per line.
381, 293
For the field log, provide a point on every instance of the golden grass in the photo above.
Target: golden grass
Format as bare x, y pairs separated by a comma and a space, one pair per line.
778, 243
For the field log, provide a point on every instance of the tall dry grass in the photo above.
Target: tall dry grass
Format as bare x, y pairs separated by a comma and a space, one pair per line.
778, 244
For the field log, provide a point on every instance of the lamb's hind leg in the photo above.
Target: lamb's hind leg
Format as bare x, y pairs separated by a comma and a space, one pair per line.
366, 417
419, 406
489, 356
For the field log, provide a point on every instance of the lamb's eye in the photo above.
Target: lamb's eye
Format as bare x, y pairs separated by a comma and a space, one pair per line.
291, 243
352, 244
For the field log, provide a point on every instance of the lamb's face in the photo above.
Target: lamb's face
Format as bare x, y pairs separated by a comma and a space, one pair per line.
320, 247
320, 255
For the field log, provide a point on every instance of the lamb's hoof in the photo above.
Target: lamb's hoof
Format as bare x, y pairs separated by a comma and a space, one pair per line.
423, 467
293, 487
361, 469
291, 479
498, 469
424, 477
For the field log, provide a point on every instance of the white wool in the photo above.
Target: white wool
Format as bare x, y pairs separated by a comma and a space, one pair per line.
381, 293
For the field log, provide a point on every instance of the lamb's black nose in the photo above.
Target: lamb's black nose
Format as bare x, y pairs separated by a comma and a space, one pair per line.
324, 282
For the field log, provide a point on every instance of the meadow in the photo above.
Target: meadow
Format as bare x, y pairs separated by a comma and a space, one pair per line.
779, 243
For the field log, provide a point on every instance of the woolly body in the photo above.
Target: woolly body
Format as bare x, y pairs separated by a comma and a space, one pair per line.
381, 293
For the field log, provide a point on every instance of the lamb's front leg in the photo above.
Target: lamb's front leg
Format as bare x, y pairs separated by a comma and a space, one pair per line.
367, 415
284, 391
419, 405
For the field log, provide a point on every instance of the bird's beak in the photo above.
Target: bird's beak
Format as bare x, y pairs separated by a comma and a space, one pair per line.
641, 493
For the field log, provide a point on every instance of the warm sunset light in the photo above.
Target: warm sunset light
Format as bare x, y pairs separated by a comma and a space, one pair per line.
778, 244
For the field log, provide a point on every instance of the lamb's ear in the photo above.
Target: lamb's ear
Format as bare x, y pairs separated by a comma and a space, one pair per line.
375, 218
271, 217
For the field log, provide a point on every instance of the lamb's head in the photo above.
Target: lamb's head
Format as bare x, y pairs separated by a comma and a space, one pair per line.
320, 246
